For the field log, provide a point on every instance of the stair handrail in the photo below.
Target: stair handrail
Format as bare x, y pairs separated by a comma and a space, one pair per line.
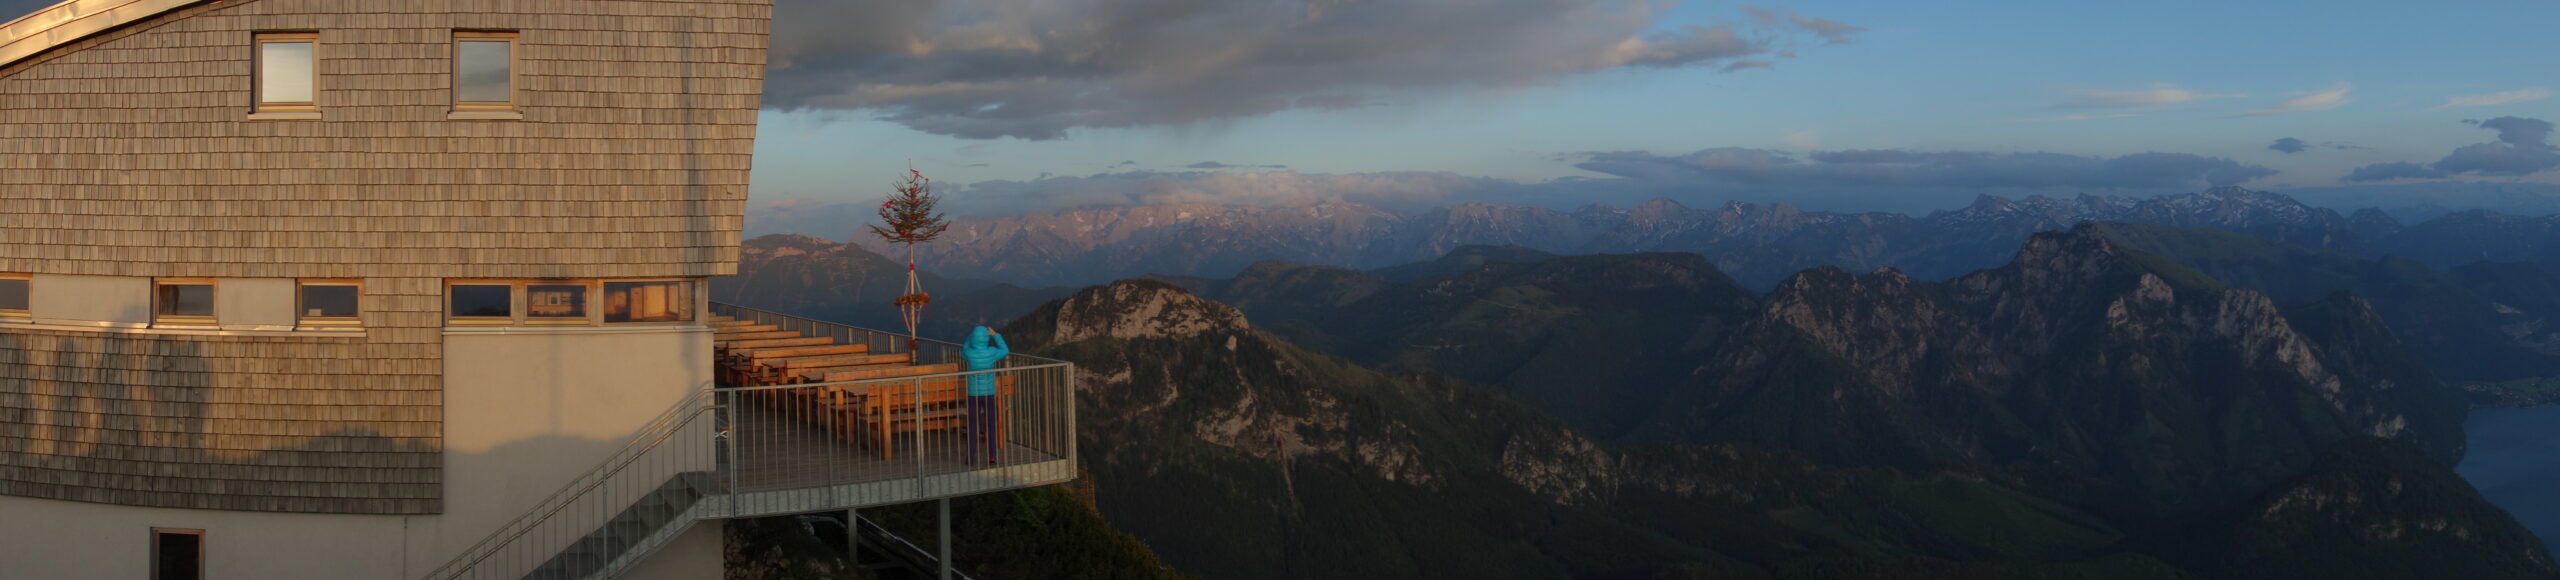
655, 432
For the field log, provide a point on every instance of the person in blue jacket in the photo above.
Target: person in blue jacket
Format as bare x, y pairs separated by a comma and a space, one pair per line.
984, 349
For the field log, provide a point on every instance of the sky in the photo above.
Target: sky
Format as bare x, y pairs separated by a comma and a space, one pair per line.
1894, 106
1838, 105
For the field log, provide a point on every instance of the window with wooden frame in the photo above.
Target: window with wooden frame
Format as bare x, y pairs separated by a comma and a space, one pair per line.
648, 301
287, 72
480, 303
329, 303
557, 302
14, 294
182, 301
484, 71
569, 302
177, 554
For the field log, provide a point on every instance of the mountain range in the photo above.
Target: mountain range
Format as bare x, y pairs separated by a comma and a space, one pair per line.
2229, 366
1843, 426
1757, 245
2089, 409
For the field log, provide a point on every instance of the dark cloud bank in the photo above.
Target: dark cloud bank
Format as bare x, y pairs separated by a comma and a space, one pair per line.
1003, 68
2523, 148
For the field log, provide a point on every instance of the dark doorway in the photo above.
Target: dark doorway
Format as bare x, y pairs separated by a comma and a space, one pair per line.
177, 554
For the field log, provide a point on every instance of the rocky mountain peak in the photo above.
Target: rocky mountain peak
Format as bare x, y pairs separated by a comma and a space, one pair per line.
1137, 309
2065, 257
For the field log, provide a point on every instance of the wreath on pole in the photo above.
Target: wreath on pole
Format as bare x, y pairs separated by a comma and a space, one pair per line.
909, 219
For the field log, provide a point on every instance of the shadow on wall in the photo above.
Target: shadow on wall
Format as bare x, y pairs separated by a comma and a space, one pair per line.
145, 420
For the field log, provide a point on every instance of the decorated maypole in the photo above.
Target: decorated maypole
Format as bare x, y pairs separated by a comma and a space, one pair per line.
911, 220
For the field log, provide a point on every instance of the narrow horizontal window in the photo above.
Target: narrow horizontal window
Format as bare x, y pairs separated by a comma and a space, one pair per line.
555, 304
490, 303
287, 72
14, 293
330, 303
182, 302
660, 301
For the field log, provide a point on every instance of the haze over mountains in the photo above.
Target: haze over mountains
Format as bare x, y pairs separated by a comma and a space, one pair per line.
2224, 384
1757, 245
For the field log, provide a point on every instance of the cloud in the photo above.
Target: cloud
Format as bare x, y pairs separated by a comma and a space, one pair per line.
1891, 169
1034, 70
2523, 148
2393, 170
1217, 165
2288, 145
2493, 99
1830, 31
2157, 95
2321, 101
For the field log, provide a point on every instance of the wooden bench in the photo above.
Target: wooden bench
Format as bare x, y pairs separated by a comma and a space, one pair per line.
939, 405
742, 363
786, 370
744, 328
832, 376
780, 342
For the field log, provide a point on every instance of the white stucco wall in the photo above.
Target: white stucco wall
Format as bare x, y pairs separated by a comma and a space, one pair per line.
694, 556
527, 410
45, 538
89, 299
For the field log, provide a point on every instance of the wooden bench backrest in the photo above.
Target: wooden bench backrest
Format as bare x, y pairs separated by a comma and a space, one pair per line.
796, 351
745, 328
726, 339
779, 342
936, 392
838, 360
882, 373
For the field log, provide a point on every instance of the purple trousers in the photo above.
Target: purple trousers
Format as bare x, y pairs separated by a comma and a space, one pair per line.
979, 434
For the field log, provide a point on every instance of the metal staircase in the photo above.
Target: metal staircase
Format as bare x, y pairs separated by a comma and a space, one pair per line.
638, 531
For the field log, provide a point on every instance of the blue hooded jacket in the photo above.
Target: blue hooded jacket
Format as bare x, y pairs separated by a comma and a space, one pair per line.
983, 350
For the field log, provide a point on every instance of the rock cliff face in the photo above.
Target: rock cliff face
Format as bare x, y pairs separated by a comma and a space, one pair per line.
2085, 371
1239, 455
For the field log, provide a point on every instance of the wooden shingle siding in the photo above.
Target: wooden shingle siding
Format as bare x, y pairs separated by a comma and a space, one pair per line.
130, 153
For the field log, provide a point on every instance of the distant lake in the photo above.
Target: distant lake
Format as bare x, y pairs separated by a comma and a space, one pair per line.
2515, 460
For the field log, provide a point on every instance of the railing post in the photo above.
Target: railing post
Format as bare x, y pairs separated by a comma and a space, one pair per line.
1068, 386
919, 430
729, 441
945, 560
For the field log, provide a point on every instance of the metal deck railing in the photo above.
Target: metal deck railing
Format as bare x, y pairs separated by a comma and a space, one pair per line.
794, 448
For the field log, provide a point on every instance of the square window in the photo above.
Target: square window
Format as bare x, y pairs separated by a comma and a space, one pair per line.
13, 294
663, 301
489, 302
183, 302
287, 71
177, 554
555, 303
484, 71
329, 303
